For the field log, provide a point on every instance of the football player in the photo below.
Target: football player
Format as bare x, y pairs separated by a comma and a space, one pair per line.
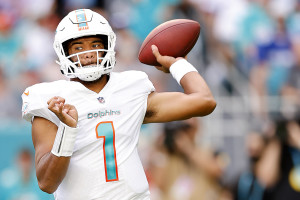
85, 130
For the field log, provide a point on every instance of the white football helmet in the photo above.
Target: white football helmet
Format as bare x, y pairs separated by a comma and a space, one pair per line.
80, 23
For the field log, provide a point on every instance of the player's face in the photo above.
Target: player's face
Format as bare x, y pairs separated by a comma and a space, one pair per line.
85, 44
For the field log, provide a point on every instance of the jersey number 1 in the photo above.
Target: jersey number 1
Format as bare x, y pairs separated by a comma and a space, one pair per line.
106, 131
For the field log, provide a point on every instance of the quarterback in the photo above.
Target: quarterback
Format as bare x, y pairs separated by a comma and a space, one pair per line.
85, 129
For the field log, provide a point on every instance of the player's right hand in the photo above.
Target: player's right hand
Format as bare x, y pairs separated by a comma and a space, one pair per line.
65, 112
165, 61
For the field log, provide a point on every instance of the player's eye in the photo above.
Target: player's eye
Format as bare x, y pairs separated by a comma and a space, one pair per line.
78, 48
98, 46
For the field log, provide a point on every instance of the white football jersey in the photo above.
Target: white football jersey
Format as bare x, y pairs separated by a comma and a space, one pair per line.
105, 163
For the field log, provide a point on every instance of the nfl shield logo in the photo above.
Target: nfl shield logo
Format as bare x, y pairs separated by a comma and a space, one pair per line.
101, 99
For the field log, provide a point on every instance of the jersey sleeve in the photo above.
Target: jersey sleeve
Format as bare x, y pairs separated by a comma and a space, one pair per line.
141, 82
35, 104
149, 84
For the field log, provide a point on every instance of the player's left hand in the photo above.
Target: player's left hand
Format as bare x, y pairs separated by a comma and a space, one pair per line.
165, 61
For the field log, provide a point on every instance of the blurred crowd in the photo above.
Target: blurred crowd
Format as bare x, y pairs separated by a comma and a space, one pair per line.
249, 54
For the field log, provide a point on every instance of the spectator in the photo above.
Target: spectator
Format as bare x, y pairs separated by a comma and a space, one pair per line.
278, 168
189, 171
20, 183
269, 76
291, 90
249, 186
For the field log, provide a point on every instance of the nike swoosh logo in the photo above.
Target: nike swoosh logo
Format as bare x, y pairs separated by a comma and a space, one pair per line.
26, 93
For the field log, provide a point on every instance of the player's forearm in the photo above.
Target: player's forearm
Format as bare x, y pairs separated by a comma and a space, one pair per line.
202, 99
50, 171
53, 149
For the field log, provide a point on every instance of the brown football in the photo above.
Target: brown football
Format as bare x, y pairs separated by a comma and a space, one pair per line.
173, 38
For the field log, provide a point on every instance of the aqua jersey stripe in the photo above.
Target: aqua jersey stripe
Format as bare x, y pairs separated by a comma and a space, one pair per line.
80, 14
